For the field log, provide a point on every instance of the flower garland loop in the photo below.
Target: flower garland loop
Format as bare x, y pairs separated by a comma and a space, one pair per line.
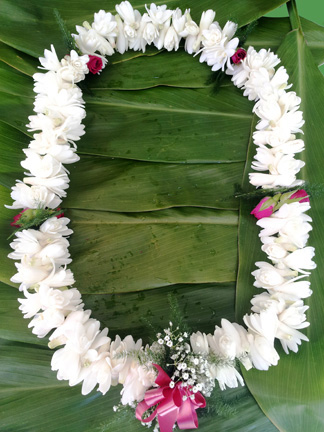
40, 246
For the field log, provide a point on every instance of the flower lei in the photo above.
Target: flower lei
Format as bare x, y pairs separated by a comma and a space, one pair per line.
195, 362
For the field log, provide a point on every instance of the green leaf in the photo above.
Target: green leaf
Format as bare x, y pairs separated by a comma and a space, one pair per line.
6, 216
18, 60
270, 33
11, 143
13, 326
111, 184
115, 252
294, 386
168, 119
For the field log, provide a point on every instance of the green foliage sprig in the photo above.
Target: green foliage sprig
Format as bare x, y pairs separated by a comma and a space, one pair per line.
244, 32
33, 218
217, 405
177, 316
66, 35
314, 190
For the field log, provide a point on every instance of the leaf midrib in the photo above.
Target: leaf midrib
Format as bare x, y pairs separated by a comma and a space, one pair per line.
146, 107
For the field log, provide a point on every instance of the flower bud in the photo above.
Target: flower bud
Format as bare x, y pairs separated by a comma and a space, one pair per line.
94, 64
23, 217
265, 208
238, 56
296, 197
299, 195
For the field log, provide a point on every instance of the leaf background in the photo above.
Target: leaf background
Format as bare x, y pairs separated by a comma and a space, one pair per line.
153, 212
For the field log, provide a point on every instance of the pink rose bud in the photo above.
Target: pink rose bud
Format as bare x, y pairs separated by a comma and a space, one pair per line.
264, 208
94, 64
238, 56
300, 194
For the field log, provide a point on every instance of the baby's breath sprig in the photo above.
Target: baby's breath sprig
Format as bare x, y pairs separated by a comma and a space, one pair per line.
192, 369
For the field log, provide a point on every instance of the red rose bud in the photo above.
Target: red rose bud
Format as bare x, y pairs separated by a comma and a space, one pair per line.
238, 56
264, 208
60, 215
21, 218
94, 64
301, 193
16, 219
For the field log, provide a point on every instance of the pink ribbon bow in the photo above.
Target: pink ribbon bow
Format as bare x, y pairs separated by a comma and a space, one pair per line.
174, 404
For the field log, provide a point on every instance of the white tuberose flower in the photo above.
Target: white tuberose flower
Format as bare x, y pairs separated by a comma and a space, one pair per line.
160, 17
56, 227
82, 337
33, 197
291, 319
261, 334
199, 343
301, 259
173, 34
27, 242
74, 67
105, 25
254, 71
139, 379
290, 221
50, 60
195, 33
89, 41
131, 18
226, 376
218, 45
230, 342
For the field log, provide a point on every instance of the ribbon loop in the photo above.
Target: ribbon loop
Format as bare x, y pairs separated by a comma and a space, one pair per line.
172, 404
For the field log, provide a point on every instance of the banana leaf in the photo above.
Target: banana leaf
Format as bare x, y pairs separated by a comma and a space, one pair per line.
154, 212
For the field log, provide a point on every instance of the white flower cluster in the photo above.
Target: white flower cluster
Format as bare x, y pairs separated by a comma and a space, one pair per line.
88, 355
280, 312
59, 109
280, 118
162, 27
221, 350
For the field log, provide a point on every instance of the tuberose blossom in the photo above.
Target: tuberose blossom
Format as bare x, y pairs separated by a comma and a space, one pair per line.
105, 25
227, 376
33, 197
89, 41
199, 343
50, 60
195, 33
254, 71
290, 222
130, 17
81, 337
228, 342
74, 67
160, 17
262, 329
290, 320
219, 45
